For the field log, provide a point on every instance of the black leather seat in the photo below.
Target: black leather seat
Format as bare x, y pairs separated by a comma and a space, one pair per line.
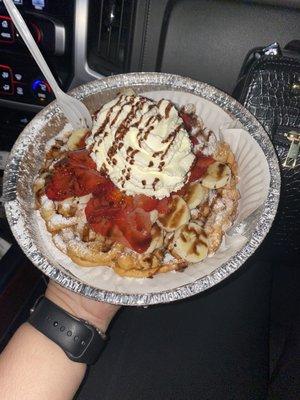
208, 39
212, 346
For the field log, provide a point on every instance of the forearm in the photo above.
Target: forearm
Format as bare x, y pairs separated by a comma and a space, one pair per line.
32, 367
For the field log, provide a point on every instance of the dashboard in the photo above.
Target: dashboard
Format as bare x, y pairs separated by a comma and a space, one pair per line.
88, 39
50, 23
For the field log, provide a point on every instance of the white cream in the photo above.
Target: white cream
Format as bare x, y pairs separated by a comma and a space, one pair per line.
142, 146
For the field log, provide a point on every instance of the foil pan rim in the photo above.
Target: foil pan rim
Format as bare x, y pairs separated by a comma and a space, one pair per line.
170, 81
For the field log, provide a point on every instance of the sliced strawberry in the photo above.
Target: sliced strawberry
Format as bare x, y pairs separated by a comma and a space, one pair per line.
187, 120
142, 220
86, 181
200, 166
98, 209
145, 202
194, 140
136, 228
81, 158
181, 192
81, 143
101, 216
150, 203
163, 205
104, 189
112, 195
131, 229
66, 182
117, 197
59, 187
75, 175
103, 227
91, 209
118, 236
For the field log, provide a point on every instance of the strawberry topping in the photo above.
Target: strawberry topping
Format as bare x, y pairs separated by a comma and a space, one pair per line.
74, 175
124, 219
194, 140
200, 166
187, 120
163, 205
82, 142
110, 212
131, 228
150, 203
136, 228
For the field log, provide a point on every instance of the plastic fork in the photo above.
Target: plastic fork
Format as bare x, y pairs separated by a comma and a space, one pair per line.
75, 111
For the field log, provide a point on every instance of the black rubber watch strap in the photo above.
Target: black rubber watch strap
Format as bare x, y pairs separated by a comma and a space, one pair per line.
79, 340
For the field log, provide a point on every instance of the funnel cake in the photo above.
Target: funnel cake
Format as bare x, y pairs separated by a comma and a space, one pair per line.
147, 191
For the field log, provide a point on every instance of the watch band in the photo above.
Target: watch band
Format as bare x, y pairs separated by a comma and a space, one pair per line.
80, 341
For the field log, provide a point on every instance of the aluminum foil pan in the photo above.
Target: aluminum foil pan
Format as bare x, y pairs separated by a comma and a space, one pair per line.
28, 152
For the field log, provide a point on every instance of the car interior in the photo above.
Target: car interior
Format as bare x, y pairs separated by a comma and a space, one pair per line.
255, 312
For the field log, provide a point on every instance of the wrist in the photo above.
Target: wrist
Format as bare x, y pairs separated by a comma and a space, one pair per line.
95, 313
76, 311
81, 341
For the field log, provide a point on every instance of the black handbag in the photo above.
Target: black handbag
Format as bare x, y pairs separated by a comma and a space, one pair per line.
269, 87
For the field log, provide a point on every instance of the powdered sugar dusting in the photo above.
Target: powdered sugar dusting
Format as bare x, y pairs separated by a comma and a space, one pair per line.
57, 221
62, 135
47, 205
168, 258
67, 234
207, 142
59, 242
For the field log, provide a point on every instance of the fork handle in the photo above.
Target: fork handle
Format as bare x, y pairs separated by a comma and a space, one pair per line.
31, 44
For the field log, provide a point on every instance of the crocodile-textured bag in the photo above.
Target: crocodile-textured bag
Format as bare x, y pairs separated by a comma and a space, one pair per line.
269, 87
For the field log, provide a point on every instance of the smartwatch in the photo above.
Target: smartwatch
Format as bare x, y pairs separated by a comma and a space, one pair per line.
81, 341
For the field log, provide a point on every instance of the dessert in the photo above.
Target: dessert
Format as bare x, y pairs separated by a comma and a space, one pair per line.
148, 190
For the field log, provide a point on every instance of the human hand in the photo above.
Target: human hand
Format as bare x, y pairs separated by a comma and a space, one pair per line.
96, 313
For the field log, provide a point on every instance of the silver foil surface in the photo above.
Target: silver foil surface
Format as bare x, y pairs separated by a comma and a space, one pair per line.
27, 156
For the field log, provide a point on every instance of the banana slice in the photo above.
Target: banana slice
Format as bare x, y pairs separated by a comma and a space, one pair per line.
157, 239
195, 195
178, 215
190, 243
217, 176
75, 138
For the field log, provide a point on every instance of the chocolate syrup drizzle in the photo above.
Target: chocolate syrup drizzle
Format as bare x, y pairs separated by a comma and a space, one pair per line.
142, 135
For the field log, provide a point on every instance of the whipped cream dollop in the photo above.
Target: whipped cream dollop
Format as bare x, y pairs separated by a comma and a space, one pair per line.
141, 145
